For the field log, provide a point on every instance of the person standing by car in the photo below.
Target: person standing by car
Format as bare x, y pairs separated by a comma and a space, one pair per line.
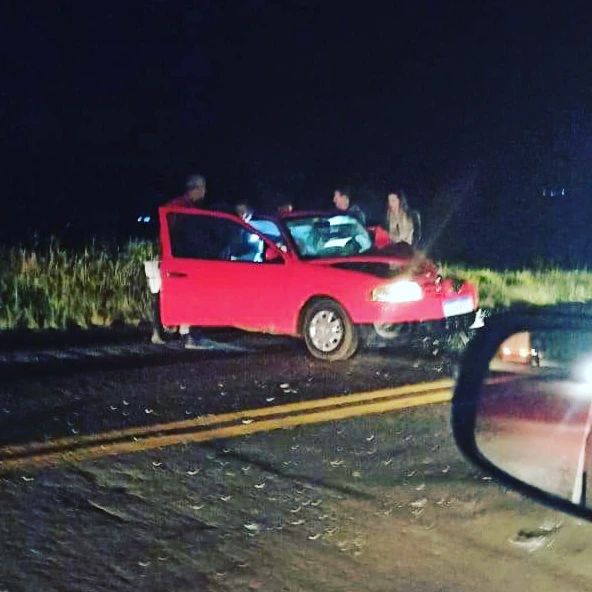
195, 193
402, 223
343, 202
193, 197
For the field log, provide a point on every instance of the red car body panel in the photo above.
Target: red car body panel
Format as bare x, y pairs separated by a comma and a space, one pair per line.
270, 295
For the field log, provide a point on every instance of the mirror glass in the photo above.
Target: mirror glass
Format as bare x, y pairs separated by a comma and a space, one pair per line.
535, 412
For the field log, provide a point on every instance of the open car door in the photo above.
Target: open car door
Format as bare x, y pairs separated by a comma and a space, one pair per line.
218, 271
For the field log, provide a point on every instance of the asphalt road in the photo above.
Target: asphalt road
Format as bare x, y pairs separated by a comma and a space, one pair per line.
50, 393
376, 502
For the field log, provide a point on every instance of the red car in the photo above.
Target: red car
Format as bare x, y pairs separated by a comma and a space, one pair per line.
309, 274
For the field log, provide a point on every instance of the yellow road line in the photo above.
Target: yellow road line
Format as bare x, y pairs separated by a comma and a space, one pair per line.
208, 420
363, 408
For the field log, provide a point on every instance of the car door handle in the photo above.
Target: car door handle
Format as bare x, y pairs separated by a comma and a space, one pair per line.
176, 274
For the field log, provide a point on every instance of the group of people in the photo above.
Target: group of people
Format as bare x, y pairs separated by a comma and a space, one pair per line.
401, 222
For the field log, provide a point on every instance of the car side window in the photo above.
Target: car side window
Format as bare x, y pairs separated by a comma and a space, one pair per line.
212, 238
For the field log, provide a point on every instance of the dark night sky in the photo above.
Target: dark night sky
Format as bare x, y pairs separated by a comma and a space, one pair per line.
107, 106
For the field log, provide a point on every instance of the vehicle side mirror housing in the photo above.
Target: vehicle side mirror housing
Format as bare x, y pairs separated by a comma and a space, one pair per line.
522, 407
273, 255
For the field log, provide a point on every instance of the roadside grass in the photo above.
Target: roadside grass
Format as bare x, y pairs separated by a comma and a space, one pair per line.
499, 289
100, 285
57, 288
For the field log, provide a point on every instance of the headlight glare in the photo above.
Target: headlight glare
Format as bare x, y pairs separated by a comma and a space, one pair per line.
396, 292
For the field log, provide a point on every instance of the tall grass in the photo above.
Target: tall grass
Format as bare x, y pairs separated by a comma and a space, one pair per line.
533, 286
57, 288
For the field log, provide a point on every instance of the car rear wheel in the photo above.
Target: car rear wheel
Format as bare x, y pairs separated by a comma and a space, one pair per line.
328, 331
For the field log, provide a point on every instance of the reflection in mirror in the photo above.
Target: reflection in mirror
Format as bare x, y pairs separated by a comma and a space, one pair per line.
535, 412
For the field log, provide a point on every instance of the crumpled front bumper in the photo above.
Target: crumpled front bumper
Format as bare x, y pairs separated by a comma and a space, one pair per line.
406, 332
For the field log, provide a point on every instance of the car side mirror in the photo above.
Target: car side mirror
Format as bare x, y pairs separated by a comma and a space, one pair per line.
522, 408
273, 255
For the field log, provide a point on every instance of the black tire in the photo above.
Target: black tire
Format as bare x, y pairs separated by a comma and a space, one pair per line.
328, 331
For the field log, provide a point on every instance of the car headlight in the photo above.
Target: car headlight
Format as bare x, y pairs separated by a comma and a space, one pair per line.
401, 291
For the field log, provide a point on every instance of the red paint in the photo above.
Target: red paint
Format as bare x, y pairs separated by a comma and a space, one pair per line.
269, 296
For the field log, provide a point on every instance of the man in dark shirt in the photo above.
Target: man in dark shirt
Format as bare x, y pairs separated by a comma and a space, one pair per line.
342, 201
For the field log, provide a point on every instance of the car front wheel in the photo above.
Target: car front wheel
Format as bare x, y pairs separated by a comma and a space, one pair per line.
328, 331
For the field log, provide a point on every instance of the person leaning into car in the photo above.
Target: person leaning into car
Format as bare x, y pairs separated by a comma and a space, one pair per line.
193, 197
342, 201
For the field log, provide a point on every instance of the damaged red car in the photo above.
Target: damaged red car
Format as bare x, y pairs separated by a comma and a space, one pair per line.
315, 275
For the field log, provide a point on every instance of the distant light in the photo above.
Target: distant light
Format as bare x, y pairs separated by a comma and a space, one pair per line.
139, 218
146, 219
554, 191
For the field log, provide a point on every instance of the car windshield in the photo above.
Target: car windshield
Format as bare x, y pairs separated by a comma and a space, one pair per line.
268, 229
329, 235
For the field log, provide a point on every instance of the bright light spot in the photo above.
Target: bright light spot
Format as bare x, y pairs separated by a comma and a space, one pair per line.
139, 218
582, 371
146, 219
585, 372
506, 351
401, 291
523, 352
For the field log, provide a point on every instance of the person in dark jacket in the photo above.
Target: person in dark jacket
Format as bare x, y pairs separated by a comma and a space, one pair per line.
343, 202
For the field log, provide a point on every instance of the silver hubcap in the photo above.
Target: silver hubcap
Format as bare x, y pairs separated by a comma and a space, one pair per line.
326, 331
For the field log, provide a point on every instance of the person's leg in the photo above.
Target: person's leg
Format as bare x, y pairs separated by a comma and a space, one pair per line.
157, 337
152, 271
193, 337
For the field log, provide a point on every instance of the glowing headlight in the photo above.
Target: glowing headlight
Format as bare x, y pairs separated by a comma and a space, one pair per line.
401, 291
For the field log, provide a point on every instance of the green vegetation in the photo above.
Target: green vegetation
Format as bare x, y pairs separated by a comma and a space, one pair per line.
499, 289
56, 288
